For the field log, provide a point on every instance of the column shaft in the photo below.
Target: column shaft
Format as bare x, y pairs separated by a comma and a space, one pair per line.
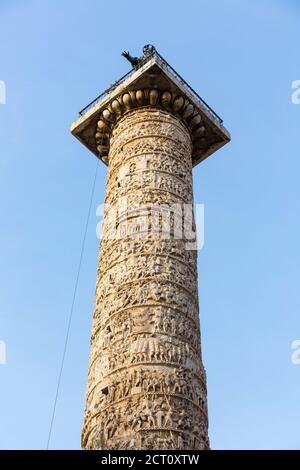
146, 384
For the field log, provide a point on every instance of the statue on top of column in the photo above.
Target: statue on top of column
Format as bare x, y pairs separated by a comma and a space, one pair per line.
148, 51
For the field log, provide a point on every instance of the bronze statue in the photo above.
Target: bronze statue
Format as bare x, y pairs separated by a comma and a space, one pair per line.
148, 51
133, 60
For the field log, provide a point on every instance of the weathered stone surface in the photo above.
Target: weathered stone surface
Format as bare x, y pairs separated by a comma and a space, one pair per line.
146, 382
146, 386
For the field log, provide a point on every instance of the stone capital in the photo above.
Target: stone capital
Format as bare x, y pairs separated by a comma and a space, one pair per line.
157, 85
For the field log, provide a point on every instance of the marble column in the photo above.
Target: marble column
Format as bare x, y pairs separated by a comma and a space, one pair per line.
146, 385
146, 382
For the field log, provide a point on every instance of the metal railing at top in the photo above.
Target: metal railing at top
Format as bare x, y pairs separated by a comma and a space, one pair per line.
164, 64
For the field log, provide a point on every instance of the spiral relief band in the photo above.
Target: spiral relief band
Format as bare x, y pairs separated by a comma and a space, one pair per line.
146, 385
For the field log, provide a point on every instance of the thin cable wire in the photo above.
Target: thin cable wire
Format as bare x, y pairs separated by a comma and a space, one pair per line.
72, 306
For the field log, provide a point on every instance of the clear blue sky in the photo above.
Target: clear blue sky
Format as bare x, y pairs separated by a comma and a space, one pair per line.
242, 57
